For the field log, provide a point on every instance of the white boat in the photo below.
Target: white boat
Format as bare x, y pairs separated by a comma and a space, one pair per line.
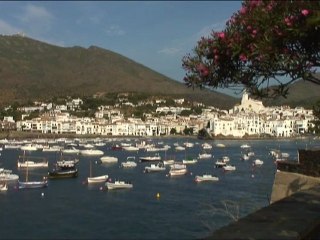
156, 157
29, 147
168, 162
130, 163
118, 185
109, 159
206, 177
189, 161
91, 152
33, 164
220, 164
206, 146
7, 175
188, 144
3, 187
180, 148
258, 162
178, 169
178, 172
130, 148
245, 157
245, 146
33, 184
155, 168
98, 179
225, 159
71, 150
204, 155
67, 163
54, 148
229, 168
220, 145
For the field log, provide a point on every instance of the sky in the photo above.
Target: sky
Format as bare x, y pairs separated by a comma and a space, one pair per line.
156, 34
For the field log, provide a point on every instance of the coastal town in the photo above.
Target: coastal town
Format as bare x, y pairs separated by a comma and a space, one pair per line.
247, 118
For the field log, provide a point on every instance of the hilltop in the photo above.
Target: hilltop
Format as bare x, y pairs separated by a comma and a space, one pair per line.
33, 70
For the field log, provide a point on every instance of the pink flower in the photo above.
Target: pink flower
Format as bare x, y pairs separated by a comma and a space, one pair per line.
305, 12
243, 57
221, 35
243, 10
254, 31
203, 70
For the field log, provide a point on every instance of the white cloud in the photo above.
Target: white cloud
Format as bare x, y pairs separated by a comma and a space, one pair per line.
35, 13
37, 20
115, 30
7, 29
206, 30
169, 51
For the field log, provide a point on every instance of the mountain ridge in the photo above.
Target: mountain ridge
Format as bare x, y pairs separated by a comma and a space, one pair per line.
31, 69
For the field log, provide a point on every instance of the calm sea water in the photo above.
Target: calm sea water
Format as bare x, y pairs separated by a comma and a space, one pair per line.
70, 209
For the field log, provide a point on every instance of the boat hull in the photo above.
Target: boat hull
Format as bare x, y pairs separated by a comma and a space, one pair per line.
98, 179
62, 174
39, 184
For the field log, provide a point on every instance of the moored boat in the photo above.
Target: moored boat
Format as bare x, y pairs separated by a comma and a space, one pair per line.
156, 157
63, 173
33, 184
118, 185
206, 177
109, 159
155, 168
6, 175
98, 179
229, 168
91, 152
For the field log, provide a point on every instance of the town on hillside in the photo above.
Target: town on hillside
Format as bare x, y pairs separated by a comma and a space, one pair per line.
248, 118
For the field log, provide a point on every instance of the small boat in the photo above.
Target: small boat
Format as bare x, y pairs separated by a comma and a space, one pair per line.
245, 157
156, 157
130, 163
189, 161
33, 184
180, 148
168, 162
63, 173
229, 168
7, 175
220, 164
220, 145
67, 164
130, 148
116, 147
206, 177
155, 168
91, 152
109, 159
29, 147
118, 185
204, 155
244, 146
32, 164
97, 179
206, 146
258, 162
47, 148
70, 150
3, 187
178, 169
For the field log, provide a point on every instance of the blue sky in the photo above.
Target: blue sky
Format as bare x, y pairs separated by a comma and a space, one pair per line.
156, 34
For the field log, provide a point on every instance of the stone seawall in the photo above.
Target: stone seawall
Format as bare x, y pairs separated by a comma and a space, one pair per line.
287, 183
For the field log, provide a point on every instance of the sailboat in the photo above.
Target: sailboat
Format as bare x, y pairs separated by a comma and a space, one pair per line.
98, 179
33, 184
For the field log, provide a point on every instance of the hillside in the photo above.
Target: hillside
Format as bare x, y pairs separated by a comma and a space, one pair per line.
33, 70
301, 93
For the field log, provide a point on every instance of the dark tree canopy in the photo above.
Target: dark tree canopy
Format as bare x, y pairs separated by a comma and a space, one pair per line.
262, 43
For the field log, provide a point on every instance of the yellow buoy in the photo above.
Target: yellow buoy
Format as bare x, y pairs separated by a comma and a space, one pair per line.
158, 195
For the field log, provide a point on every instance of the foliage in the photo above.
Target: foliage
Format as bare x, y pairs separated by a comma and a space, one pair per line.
173, 131
262, 43
188, 131
316, 121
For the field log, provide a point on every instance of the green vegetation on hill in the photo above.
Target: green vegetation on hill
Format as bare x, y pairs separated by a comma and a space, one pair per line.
32, 70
